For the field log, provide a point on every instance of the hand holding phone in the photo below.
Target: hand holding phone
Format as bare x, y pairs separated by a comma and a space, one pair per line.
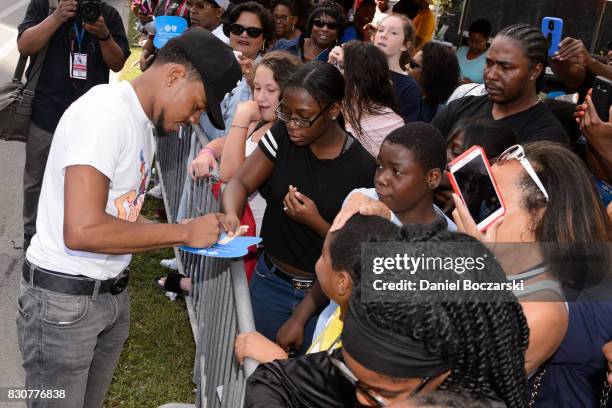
552, 28
472, 180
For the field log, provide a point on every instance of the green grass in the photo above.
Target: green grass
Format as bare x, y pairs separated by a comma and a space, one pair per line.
131, 69
156, 363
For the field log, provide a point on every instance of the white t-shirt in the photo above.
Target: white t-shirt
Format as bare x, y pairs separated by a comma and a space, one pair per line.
218, 32
107, 129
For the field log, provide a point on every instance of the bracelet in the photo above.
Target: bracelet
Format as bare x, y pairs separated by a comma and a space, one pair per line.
208, 150
105, 38
238, 126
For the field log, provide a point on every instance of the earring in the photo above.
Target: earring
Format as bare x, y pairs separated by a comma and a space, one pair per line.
263, 47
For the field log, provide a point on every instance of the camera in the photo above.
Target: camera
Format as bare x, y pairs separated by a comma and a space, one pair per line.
89, 11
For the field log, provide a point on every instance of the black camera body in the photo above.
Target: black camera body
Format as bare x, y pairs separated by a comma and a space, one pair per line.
89, 11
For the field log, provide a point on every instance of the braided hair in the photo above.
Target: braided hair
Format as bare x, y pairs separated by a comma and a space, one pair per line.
534, 44
485, 340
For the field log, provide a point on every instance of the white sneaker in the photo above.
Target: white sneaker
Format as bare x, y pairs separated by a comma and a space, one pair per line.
172, 296
155, 192
169, 263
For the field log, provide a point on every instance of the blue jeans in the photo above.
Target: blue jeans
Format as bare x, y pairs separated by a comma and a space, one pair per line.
71, 343
274, 300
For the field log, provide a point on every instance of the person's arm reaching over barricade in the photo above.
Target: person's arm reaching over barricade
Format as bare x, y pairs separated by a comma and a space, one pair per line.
87, 226
256, 169
207, 157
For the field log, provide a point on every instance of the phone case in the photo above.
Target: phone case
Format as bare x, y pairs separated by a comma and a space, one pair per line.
602, 97
482, 226
552, 28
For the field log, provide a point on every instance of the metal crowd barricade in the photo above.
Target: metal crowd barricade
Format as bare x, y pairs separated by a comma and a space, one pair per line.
219, 306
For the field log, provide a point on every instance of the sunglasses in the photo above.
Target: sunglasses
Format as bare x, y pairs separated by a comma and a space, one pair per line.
332, 25
299, 122
238, 29
516, 152
200, 5
372, 395
413, 64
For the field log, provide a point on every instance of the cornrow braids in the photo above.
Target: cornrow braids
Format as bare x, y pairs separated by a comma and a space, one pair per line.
534, 44
485, 340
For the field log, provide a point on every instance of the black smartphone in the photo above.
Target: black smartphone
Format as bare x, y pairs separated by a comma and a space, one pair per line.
602, 97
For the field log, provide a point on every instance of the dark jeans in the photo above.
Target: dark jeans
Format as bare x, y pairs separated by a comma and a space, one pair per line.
71, 343
37, 152
274, 300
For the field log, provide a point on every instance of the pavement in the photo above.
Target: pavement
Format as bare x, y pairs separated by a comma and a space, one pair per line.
12, 156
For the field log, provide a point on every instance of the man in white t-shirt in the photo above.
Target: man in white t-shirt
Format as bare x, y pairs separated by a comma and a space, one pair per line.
73, 310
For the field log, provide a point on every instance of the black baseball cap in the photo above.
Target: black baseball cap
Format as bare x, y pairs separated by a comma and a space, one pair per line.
217, 65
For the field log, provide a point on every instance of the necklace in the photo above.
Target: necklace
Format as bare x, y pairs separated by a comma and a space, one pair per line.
316, 49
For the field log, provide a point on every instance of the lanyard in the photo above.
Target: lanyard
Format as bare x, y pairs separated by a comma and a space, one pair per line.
79, 34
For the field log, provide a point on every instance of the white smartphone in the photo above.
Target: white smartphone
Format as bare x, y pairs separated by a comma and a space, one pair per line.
471, 178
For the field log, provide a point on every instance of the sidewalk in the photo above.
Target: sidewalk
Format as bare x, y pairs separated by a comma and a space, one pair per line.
12, 156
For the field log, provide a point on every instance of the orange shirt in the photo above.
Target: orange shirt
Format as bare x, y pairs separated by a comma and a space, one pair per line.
424, 24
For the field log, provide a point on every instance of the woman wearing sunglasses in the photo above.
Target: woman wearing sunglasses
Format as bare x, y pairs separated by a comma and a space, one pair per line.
306, 165
324, 28
550, 199
394, 37
395, 351
248, 26
437, 72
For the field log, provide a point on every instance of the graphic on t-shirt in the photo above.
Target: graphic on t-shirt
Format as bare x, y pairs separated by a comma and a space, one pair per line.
129, 204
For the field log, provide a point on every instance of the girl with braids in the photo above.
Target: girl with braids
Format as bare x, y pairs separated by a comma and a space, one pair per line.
556, 204
464, 346
369, 104
513, 76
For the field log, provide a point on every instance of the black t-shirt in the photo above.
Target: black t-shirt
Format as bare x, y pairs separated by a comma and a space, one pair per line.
56, 90
531, 125
408, 94
326, 182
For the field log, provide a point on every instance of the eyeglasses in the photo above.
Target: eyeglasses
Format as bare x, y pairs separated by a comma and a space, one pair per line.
332, 25
361, 387
200, 5
238, 29
516, 152
280, 18
299, 122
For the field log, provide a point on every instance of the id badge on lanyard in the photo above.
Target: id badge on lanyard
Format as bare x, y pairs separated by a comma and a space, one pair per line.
78, 60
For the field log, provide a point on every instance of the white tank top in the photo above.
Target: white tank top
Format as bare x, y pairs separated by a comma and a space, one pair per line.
256, 201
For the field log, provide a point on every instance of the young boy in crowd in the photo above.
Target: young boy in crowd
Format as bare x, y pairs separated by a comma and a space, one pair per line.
409, 168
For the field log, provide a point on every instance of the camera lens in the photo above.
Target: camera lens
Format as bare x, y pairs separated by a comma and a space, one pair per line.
551, 25
89, 11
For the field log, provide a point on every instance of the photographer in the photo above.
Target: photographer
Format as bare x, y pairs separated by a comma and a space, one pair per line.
93, 46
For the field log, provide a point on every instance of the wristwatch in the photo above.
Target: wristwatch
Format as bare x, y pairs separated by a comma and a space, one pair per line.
105, 38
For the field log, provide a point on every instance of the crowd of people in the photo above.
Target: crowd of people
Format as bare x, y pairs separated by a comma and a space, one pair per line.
332, 125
